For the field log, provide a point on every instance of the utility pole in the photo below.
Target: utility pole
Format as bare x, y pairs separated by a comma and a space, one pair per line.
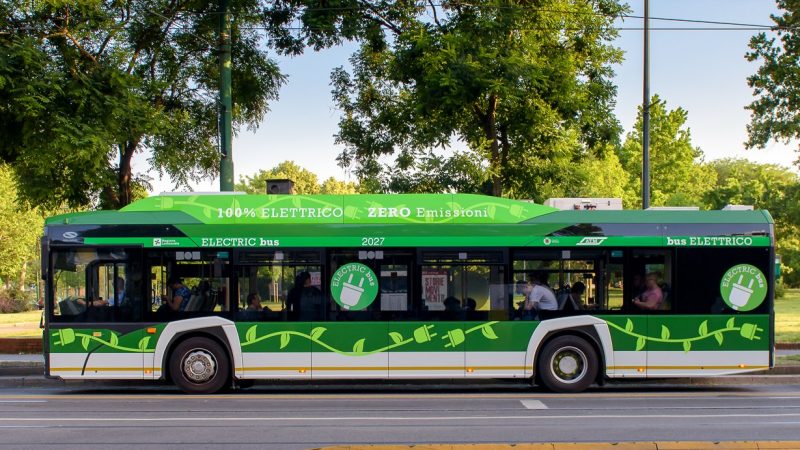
646, 111
225, 100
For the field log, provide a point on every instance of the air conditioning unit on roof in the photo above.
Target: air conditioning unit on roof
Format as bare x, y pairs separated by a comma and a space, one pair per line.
585, 204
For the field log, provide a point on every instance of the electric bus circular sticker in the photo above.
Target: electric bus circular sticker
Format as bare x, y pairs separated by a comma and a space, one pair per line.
743, 287
354, 286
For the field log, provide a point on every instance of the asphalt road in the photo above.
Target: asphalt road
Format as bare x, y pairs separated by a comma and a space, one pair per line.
316, 416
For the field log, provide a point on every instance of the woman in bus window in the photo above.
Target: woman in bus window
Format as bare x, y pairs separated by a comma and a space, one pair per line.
651, 298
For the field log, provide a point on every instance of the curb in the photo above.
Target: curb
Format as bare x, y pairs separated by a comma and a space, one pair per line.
660, 445
9, 381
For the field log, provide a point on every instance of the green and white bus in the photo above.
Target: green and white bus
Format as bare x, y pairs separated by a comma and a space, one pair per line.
211, 291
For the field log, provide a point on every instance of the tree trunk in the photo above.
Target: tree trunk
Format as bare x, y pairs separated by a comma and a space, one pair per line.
489, 122
124, 182
22, 275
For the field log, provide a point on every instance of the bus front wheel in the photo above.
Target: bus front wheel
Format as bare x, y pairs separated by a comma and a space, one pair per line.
199, 365
567, 364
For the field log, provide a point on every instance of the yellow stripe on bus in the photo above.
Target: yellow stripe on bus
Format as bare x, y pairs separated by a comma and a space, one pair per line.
685, 367
94, 369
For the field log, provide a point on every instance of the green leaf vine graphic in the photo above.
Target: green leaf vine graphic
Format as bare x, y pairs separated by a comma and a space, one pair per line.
420, 335
748, 331
66, 336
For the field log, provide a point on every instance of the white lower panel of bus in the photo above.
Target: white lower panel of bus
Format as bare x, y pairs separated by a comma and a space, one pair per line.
334, 365
677, 364
411, 365
99, 365
497, 365
406, 365
627, 365
277, 365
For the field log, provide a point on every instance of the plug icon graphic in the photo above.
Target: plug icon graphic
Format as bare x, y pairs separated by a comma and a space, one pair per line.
740, 294
351, 293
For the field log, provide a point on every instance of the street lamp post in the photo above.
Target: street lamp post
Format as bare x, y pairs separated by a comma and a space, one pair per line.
225, 100
646, 111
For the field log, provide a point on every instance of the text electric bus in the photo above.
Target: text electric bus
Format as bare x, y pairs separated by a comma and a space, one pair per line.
209, 291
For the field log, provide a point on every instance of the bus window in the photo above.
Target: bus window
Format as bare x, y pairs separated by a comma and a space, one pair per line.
647, 281
463, 286
570, 274
369, 285
96, 285
701, 271
205, 275
267, 278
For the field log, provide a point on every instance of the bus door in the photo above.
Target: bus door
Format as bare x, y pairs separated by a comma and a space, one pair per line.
94, 312
366, 289
279, 297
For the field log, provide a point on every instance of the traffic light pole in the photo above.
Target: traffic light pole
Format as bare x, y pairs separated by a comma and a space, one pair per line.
225, 100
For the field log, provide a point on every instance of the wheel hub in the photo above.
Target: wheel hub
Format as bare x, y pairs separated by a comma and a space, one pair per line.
569, 364
199, 366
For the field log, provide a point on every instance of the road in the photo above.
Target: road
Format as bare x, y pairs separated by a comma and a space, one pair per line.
314, 416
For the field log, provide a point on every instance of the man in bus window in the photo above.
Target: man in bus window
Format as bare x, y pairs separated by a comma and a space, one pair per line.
253, 302
539, 297
180, 295
651, 298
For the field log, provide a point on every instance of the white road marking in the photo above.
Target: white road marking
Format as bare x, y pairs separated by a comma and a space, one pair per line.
23, 401
391, 418
533, 404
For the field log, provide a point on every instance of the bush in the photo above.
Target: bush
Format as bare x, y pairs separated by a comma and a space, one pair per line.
14, 301
780, 289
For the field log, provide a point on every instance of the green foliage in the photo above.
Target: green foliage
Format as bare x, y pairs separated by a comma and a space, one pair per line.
776, 84
431, 173
86, 86
525, 88
678, 176
305, 181
20, 229
765, 186
336, 187
14, 300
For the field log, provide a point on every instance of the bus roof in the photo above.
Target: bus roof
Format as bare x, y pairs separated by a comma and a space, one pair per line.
417, 209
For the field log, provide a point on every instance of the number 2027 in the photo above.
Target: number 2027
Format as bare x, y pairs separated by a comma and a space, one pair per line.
372, 241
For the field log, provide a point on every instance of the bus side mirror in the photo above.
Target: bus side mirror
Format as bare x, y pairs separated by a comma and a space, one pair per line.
777, 267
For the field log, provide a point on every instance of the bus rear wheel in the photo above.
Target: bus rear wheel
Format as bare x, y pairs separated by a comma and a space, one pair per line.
567, 364
199, 365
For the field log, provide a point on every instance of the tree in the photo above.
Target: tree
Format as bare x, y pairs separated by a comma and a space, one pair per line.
305, 181
776, 84
87, 86
526, 88
336, 187
678, 176
765, 186
20, 229
598, 176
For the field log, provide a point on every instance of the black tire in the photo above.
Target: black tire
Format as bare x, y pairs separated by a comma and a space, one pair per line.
199, 365
567, 364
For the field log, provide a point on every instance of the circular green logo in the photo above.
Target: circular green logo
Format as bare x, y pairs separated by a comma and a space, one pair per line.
743, 287
354, 286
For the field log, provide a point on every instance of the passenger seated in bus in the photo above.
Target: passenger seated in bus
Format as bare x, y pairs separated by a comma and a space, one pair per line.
651, 298
541, 297
573, 301
180, 295
253, 302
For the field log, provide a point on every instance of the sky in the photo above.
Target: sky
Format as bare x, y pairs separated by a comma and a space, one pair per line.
704, 72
